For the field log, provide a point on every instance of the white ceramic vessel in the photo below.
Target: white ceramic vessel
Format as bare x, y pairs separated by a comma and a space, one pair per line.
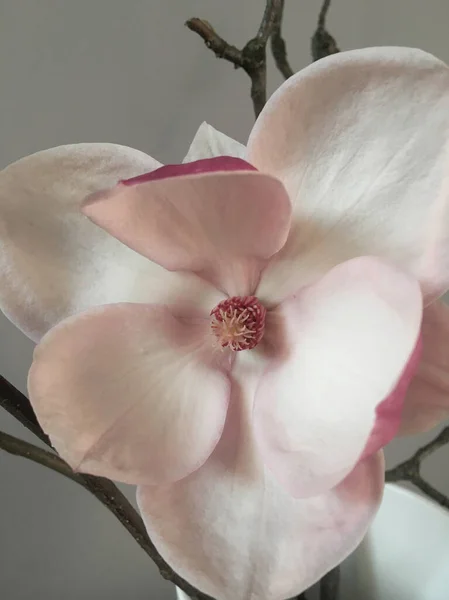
405, 555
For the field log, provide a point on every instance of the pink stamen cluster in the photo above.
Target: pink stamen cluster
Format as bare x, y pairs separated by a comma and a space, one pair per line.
238, 322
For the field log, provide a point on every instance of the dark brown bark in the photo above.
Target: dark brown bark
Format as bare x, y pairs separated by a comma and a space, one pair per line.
323, 44
410, 470
278, 45
18, 405
252, 58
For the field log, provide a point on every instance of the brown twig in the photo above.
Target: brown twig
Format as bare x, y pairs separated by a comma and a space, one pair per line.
18, 405
278, 45
323, 44
252, 57
214, 42
272, 9
330, 584
120, 506
410, 470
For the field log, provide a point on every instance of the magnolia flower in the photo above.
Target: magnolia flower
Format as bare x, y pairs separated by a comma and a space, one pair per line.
241, 334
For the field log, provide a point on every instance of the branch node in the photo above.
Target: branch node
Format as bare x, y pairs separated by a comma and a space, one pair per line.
323, 43
252, 58
278, 45
18, 405
214, 42
410, 469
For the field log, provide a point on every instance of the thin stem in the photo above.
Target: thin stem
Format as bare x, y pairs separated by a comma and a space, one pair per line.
270, 16
19, 447
121, 507
322, 43
430, 491
216, 43
259, 90
410, 469
278, 45
441, 439
252, 57
323, 13
18, 405
330, 584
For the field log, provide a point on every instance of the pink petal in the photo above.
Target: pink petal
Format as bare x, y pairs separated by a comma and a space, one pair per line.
360, 141
347, 342
205, 165
231, 530
222, 226
427, 400
209, 142
389, 412
54, 262
130, 392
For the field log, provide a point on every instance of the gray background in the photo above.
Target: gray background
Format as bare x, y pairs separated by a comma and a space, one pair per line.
129, 72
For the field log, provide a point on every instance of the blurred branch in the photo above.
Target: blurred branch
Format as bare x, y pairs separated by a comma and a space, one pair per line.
330, 584
214, 42
253, 56
431, 492
18, 447
18, 405
272, 9
323, 44
278, 45
410, 470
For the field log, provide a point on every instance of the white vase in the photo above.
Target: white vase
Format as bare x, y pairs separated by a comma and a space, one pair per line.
404, 556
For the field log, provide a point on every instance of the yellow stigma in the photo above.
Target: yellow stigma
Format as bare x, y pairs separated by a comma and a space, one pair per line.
231, 330
238, 322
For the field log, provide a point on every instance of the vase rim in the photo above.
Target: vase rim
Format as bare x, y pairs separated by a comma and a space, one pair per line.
406, 493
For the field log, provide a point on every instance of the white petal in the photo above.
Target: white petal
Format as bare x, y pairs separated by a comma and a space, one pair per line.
222, 225
130, 392
209, 142
361, 142
335, 388
53, 261
427, 400
233, 533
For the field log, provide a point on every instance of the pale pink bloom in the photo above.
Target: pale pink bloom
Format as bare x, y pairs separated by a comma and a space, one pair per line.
259, 470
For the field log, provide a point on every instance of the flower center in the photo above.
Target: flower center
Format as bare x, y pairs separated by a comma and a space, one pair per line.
238, 322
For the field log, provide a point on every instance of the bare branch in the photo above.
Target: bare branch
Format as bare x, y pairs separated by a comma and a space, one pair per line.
259, 91
120, 506
214, 42
273, 9
330, 584
410, 470
19, 447
431, 492
323, 13
278, 45
441, 440
323, 44
18, 405
252, 57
